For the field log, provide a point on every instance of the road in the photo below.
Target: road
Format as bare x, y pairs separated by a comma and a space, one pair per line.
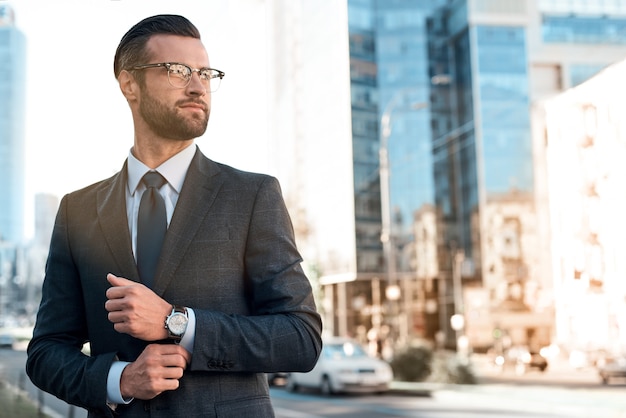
565, 394
12, 371
560, 393
442, 404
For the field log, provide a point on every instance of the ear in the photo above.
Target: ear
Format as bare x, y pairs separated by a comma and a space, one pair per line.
128, 85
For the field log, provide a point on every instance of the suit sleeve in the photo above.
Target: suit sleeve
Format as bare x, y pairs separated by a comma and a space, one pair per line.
55, 361
283, 332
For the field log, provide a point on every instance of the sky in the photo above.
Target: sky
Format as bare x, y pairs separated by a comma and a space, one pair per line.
78, 126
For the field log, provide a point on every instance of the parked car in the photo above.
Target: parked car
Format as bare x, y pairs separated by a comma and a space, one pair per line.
612, 367
276, 379
6, 340
344, 366
521, 359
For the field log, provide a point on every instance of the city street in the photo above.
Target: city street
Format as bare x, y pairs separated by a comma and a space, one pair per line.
557, 393
562, 393
503, 401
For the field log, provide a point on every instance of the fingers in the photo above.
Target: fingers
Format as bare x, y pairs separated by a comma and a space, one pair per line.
135, 309
119, 281
158, 368
171, 355
151, 375
120, 286
165, 349
175, 361
185, 354
123, 293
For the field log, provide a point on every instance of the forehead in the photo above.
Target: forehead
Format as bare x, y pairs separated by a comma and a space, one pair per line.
174, 48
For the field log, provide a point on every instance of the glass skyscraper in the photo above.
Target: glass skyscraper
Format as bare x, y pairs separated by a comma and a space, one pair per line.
447, 88
482, 150
12, 138
389, 80
489, 181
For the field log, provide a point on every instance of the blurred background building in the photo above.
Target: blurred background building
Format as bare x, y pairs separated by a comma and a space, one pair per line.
445, 90
451, 174
12, 115
12, 173
582, 134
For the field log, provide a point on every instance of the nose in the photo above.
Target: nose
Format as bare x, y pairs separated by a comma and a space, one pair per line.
196, 87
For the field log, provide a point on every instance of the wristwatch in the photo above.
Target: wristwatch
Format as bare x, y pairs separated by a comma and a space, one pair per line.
176, 323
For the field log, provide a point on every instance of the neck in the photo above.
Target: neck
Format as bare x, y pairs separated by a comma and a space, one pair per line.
153, 153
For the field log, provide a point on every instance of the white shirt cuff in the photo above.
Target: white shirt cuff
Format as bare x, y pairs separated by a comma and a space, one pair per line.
190, 335
114, 394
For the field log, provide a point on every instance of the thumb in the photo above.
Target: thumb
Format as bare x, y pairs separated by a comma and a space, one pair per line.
118, 281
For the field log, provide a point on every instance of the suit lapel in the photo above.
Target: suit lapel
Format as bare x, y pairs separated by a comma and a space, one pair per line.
199, 191
111, 204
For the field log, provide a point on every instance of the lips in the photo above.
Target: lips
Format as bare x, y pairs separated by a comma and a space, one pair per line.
194, 105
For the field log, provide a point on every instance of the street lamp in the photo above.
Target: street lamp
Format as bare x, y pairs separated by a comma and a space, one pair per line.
385, 192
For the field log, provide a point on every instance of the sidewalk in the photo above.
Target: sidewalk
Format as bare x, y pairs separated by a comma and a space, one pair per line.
558, 374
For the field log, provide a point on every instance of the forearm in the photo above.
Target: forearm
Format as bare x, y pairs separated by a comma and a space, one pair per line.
262, 343
66, 372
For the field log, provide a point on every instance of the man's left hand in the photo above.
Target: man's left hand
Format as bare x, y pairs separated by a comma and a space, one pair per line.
136, 310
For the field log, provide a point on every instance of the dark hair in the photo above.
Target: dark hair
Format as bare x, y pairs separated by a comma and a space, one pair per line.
132, 48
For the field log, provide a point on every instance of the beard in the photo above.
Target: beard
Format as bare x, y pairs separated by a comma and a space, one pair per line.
168, 122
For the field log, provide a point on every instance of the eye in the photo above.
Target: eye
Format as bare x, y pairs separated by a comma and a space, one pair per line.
207, 73
180, 70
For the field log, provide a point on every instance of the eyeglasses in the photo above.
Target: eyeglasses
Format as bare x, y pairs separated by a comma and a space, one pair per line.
179, 75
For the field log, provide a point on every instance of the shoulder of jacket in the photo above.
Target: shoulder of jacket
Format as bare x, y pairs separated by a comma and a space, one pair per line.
93, 188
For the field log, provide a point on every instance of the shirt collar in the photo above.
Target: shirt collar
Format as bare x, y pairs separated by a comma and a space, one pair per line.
174, 169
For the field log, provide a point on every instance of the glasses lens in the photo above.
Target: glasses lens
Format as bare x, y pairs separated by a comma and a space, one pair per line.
179, 75
212, 77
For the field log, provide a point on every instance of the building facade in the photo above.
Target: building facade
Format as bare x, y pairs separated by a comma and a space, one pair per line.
449, 185
584, 138
12, 127
384, 299
501, 57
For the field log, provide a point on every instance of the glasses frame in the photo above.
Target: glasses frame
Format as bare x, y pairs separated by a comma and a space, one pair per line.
219, 74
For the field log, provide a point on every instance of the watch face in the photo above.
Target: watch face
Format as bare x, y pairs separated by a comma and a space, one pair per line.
177, 323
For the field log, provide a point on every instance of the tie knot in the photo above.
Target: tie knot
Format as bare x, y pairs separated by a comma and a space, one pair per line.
153, 179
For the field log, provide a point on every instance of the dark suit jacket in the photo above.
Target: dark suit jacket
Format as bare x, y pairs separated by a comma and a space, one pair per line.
229, 254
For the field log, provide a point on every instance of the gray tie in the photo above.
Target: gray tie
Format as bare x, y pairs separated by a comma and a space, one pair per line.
151, 227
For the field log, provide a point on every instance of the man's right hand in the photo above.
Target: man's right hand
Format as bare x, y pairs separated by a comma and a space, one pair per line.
156, 370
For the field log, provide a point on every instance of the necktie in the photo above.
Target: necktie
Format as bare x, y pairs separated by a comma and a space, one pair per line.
151, 227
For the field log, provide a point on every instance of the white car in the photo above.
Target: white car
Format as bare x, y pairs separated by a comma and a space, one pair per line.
6, 340
612, 368
344, 366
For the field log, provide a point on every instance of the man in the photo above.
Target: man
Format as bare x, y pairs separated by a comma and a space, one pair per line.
227, 300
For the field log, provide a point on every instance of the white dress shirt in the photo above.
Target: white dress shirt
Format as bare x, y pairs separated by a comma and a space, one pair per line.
174, 171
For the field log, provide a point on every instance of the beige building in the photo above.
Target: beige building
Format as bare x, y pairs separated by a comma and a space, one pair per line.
582, 133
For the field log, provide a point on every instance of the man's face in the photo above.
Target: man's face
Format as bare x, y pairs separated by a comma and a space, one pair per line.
169, 112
